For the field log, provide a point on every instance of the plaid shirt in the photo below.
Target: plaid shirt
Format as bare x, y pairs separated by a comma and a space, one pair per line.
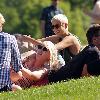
9, 54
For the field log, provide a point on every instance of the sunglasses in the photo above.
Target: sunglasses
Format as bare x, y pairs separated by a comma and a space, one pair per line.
42, 47
56, 26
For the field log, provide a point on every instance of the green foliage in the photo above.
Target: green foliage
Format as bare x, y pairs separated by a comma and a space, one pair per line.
80, 89
23, 16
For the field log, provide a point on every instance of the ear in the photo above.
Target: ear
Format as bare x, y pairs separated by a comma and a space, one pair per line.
66, 25
94, 40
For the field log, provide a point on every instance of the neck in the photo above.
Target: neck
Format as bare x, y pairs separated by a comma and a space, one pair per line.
64, 34
67, 33
54, 5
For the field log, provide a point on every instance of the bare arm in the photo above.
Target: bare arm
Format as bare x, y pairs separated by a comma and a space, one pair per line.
42, 27
29, 39
53, 38
66, 42
35, 75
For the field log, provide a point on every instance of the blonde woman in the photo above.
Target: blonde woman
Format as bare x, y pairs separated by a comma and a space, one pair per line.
38, 64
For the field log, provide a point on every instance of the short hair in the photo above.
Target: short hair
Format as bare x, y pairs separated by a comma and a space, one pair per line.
93, 31
2, 20
60, 17
93, 68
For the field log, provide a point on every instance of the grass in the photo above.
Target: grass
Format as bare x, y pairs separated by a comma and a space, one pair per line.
80, 89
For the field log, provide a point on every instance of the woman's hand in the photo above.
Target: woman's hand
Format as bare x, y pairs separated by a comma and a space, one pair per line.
85, 72
14, 76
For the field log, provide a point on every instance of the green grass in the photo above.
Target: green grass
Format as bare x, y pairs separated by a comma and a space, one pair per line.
80, 89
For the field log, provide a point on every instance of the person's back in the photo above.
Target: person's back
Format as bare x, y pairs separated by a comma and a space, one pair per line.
47, 15
9, 58
7, 55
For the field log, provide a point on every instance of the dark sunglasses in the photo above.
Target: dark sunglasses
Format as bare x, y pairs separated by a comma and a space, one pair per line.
56, 26
41, 47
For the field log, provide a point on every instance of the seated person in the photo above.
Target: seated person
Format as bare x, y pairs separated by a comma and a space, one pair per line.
9, 54
81, 64
66, 43
37, 64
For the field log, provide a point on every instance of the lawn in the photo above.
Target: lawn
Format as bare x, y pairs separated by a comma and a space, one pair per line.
80, 89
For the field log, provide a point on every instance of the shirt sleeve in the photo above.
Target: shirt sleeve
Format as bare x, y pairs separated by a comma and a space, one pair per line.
15, 55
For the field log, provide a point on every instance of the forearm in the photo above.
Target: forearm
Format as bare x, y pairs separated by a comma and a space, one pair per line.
53, 38
61, 45
31, 40
66, 42
40, 74
35, 75
27, 73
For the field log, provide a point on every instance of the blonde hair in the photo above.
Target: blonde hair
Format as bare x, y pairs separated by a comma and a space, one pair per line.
53, 54
2, 20
60, 17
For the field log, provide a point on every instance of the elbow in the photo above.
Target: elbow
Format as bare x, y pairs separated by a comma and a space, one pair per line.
20, 74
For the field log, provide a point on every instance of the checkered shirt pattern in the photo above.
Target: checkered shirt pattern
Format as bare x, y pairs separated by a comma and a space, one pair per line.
9, 55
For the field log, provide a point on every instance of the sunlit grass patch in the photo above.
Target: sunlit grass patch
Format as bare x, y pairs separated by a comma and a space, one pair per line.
80, 89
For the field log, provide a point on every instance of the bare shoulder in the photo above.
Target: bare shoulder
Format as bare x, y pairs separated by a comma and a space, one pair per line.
71, 38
